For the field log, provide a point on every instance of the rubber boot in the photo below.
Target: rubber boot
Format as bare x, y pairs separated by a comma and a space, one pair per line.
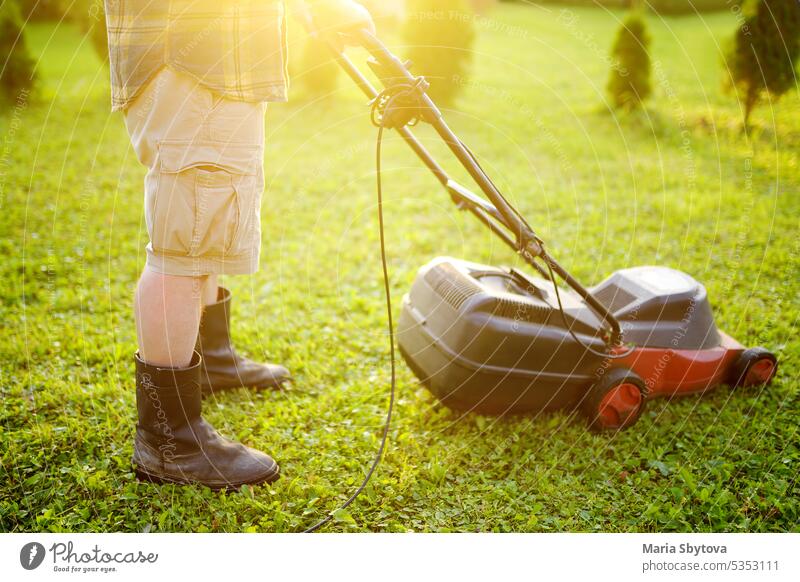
175, 445
222, 367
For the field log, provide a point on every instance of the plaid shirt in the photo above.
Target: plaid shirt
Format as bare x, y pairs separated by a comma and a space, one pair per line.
236, 48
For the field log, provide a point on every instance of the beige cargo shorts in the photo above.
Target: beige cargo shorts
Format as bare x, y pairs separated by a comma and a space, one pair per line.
204, 154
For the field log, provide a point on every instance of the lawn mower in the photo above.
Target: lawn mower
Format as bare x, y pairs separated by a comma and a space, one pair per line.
498, 341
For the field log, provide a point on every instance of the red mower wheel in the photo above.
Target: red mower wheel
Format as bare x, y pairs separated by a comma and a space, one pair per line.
754, 367
615, 401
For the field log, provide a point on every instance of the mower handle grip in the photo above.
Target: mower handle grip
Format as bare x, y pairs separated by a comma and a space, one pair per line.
379, 51
367, 40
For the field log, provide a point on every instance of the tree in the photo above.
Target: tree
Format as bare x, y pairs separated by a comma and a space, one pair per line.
440, 35
629, 79
90, 16
318, 70
16, 64
95, 26
42, 10
765, 51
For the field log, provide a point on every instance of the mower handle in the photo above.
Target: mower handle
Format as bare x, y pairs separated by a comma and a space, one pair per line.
497, 213
396, 72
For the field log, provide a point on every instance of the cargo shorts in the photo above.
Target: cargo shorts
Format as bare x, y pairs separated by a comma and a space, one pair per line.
204, 156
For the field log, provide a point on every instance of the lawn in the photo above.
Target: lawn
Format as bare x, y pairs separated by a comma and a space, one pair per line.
678, 185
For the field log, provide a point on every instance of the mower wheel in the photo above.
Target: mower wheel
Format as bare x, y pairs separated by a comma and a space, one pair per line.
615, 401
754, 367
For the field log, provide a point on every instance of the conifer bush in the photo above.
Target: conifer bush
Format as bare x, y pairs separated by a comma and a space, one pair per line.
16, 63
629, 80
318, 70
765, 52
95, 26
440, 35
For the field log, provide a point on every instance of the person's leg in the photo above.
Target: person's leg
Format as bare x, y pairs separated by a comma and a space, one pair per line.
210, 290
173, 442
223, 368
191, 212
167, 309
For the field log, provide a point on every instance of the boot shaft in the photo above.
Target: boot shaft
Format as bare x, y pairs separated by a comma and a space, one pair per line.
174, 444
222, 367
214, 337
168, 401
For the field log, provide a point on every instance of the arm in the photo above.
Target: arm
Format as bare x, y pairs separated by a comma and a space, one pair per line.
332, 16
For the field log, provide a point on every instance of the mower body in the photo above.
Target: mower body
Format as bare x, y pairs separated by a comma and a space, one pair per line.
493, 340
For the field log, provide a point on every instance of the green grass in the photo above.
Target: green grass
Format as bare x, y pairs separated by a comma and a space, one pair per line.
678, 185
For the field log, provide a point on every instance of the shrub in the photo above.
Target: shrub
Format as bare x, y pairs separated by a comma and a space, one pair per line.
93, 23
629, 79
765, 49
38, 10
90, 17
440, 35
16, 64
318, 70
663, 7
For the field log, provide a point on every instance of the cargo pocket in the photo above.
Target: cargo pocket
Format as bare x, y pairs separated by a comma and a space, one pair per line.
203, 196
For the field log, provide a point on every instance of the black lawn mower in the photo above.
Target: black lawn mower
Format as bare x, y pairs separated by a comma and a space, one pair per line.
497, 340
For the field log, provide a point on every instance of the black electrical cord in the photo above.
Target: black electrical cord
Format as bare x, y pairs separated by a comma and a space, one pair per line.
386, 103
380, 105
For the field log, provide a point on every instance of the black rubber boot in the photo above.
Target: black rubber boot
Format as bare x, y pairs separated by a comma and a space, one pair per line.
175, 445
222, 367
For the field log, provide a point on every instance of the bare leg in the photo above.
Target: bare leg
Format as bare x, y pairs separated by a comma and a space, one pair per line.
173, 443
167, 309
